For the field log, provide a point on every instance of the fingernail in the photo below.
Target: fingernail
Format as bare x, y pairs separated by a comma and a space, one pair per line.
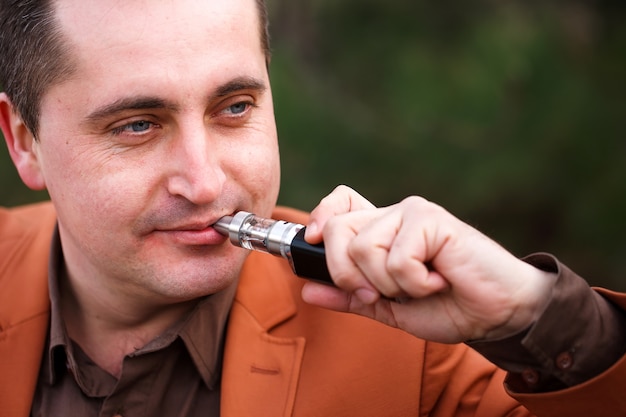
311, 229
366, 296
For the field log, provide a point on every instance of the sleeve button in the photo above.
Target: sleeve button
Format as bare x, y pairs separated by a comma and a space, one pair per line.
530, 376
564, 361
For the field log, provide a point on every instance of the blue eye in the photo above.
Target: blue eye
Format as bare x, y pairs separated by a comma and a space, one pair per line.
139, 126
238, 108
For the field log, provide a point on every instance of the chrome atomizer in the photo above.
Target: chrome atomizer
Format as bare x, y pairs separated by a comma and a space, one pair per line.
280, 238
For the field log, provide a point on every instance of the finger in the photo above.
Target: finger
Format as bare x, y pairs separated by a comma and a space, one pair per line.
419, 317
369, 251
333, 298
341, 200
412, 251
392, 251
325, 296
339, 233
343, 301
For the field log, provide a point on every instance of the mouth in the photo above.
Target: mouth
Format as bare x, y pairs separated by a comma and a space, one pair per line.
193, 227
196, 233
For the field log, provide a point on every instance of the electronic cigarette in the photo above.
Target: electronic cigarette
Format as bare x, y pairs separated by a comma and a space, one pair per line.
279, 238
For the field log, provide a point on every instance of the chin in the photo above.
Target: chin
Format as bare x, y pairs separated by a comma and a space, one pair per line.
189, 284
190, 277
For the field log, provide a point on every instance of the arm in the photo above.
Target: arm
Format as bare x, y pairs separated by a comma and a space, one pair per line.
415, 266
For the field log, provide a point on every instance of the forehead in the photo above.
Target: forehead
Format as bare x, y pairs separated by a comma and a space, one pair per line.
126, 31
92, 19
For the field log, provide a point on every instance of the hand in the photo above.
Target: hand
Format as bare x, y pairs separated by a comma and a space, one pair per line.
414, 266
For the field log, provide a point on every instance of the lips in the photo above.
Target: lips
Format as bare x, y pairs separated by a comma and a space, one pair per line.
187, 224
194, 237
193, 234
190, 227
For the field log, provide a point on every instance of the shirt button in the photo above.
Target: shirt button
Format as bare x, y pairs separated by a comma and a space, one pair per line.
530, 376
564, 361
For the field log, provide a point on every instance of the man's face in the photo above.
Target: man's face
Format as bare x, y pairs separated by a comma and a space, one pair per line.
166, 126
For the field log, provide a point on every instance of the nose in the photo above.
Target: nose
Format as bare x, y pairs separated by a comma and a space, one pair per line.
196, 166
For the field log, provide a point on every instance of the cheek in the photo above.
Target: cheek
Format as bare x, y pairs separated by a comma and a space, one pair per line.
92, 192
262, 177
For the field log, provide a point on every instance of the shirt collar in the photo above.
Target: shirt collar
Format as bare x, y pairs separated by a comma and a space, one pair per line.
58, 335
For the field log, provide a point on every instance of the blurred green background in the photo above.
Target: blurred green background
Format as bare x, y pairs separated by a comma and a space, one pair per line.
508, 113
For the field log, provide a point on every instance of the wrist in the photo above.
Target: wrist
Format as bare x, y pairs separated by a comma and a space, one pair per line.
529, 301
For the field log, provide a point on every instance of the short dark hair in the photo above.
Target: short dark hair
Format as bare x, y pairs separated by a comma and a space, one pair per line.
33, 56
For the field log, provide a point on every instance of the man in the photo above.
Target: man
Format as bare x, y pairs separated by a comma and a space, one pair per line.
149, 120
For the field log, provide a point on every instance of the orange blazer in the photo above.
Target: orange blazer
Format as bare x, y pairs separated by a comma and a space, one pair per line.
285, 358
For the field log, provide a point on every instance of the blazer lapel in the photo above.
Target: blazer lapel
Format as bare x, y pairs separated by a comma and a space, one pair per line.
21, 348
261, 371
24, 303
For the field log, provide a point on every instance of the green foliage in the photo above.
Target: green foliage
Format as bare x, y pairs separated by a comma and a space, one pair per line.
507, 113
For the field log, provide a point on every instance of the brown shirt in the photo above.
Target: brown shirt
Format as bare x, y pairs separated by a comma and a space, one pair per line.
177, 374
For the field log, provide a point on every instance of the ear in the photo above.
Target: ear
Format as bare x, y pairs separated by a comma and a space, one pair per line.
21, 144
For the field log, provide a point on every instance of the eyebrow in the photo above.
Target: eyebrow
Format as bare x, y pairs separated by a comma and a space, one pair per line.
153, 103
240, 84
128, 103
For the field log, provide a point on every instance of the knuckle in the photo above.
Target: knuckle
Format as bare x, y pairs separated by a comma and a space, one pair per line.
415, 200
418, 203
332, 225
359, 249
344, 278
396, 265
342, 188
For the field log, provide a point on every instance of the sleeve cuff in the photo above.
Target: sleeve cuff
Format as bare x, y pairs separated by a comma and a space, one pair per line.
578, 336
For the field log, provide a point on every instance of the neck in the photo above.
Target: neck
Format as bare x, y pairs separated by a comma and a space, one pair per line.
109, 325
